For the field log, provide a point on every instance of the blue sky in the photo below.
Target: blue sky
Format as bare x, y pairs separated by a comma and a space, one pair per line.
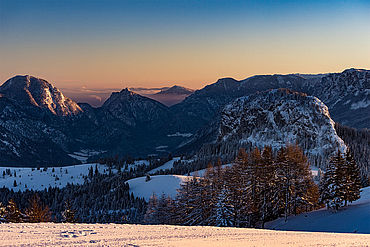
110, 43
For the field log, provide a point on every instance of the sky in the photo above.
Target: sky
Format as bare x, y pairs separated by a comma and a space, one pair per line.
98, 46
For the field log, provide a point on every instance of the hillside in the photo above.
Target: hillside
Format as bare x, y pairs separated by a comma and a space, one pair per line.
160, 184
31, 178
353, 219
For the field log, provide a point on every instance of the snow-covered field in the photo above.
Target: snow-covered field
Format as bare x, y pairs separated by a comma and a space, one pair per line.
160, 184
31, 178
354, 218
50, 234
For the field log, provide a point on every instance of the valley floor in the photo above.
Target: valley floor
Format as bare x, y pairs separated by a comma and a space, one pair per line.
47, 234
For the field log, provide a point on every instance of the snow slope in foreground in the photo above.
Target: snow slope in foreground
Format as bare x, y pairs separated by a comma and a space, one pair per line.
160, 184
354, 218
50, 234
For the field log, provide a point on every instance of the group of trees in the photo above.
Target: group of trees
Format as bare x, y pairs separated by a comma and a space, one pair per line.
341, 182
258, 187
103, 198
358, 141
34, 213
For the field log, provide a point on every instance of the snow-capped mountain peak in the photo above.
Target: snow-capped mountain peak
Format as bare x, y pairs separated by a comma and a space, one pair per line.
40, 93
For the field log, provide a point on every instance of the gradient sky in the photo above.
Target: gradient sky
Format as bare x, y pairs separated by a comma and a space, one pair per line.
115, 44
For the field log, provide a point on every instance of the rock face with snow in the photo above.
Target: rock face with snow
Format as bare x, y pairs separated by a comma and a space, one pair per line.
275, 117
346, 94
278, 117
38, 92
34, 123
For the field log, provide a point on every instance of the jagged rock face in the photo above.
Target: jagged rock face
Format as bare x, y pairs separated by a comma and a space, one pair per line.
346, 94
31, 137
34, 91
132, 108
278, 117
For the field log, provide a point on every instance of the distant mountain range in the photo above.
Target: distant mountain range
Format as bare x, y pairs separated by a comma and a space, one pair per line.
40, 126
170, 96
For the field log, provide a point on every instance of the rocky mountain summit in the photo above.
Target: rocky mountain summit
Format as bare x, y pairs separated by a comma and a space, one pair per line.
29, 90
278, 117
346, 94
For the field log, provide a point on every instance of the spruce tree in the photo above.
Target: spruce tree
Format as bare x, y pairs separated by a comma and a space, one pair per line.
353, 179
332, 187
224, 209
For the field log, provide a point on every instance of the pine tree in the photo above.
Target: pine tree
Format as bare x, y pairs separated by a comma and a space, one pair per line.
333, 184
36, 212
68, 213
224, 209
353, 179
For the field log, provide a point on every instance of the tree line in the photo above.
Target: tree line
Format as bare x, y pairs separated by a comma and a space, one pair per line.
260, 186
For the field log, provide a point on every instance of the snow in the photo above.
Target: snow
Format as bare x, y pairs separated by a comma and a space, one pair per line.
354, 218
165, 166
84, 154
51, 234
178, 134
160, 184
40, 179
138, 163
361, 104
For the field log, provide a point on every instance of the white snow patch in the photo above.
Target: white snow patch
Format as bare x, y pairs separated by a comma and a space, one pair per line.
165, 166
40, 179
178, 134
360, 104
84, 154
160, 184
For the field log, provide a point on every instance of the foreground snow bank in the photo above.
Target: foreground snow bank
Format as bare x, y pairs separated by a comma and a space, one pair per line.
354, 218
49, 234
